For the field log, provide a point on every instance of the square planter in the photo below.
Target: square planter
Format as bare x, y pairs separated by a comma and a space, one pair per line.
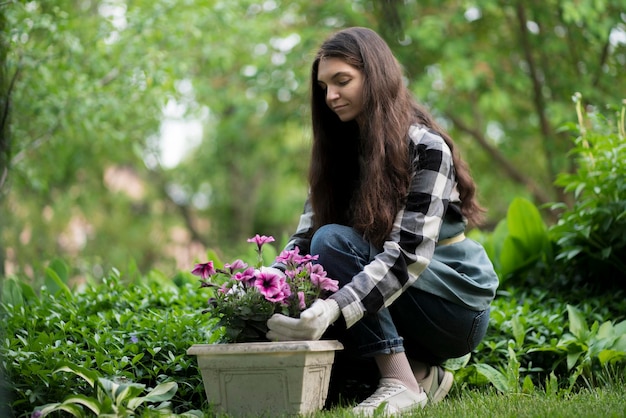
266, 378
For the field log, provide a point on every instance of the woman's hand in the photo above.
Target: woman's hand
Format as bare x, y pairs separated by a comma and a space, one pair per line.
311, 325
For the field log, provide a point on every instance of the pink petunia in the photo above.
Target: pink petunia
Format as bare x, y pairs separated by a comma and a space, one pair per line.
308, 258
224, 289
269, 282
325, 283
291, 274
204, 270
247, 276
259, 240
282, 296
294, 258
289, 257
236, 265
317, 269
301, 301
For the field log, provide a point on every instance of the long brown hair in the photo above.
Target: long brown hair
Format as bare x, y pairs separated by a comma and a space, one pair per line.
360, 170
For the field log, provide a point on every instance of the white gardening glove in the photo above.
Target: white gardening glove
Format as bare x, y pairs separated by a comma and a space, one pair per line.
310, 326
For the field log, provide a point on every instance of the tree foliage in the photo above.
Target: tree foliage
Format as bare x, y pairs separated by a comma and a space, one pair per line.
503, 73
88, 83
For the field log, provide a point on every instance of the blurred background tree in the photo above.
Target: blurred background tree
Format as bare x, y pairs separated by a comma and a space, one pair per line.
105, 95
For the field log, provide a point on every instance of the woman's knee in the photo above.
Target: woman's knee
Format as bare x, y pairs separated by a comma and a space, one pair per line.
329, 237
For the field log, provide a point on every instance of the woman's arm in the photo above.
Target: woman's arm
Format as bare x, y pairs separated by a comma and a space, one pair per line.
411, 244
302, 237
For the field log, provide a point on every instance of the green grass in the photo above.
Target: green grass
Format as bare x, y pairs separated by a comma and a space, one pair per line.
587, 403
599, 402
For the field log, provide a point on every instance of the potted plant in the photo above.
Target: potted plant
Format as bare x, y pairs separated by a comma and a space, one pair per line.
244, 373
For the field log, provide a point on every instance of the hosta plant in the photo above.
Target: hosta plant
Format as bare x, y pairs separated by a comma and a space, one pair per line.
113, 397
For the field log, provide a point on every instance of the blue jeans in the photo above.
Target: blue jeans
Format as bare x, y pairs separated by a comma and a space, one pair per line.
426, 327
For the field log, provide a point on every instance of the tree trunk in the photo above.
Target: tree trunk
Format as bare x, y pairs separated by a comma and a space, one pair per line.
5, 151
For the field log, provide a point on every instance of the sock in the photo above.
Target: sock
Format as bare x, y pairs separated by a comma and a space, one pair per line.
396, 366
420, 370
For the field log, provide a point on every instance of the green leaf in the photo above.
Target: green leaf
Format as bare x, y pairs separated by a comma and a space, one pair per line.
54, 283
572, 359
136, 359
163, 392
108, 389
12, 293
60, 268
87, 375
620, 343
577, 325
607, 356
72, 409
119, 392
457, 363
620, 328
519, 331
514, 255
552, 384
527, 385
127, 391
525, 223
90, 403
496, 378
16, 292
605, 331
194, 413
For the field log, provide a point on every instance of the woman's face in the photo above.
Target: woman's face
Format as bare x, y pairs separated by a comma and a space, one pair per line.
343, 85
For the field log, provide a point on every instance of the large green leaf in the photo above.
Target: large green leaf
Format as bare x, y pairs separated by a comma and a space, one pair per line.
525, 223
119, 392
71, 409
88, 376
86, 401
55, 283
16, 292
527, 238
496, 378
163, 392
577, 323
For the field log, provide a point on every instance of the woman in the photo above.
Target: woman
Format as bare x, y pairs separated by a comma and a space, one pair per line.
388, 206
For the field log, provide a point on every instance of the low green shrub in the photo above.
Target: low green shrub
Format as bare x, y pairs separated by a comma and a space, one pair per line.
587, 245
537, 339
138, 330
591, 235
118, 398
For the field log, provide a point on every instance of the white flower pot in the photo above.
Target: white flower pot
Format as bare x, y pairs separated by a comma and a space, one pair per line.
267, 378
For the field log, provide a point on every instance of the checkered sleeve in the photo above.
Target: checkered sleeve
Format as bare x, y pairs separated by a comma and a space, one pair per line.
302, 237
411, 244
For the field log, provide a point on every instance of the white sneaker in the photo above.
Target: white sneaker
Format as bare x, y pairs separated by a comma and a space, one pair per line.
437, 384
391, 398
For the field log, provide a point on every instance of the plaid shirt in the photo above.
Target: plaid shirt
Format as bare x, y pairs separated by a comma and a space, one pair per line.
411, 244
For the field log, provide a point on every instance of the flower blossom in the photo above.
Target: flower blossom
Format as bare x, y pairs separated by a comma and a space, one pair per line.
246, 277
301, 301
259, 240
282, 296
236, 265
270, 283
204, 270
294, 258
224, 289
324, 282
